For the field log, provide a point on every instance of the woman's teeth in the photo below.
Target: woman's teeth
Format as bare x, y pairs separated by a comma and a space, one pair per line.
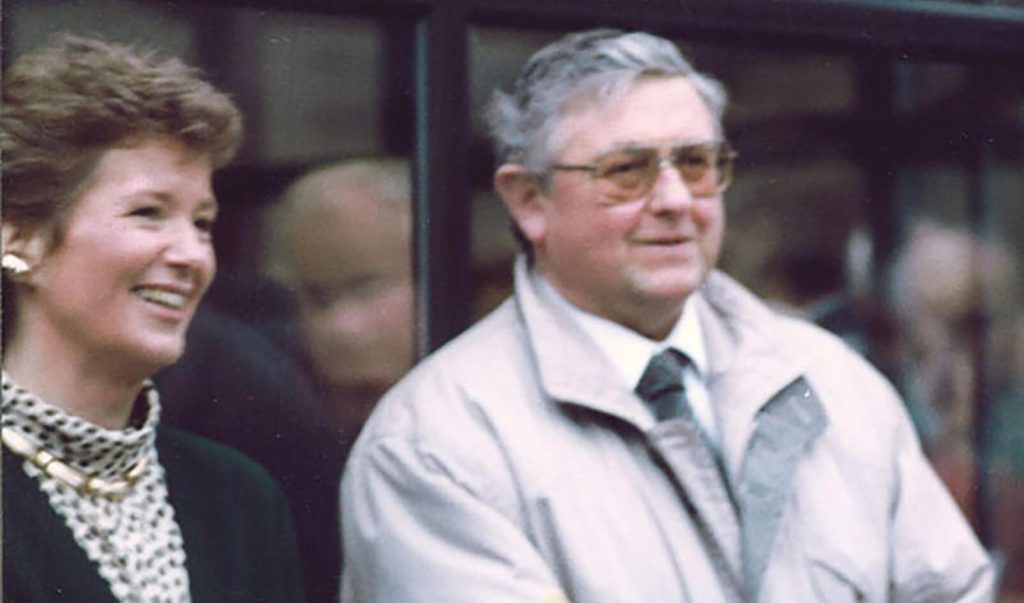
168, 299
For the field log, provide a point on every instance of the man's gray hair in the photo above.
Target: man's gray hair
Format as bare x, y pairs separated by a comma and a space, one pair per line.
591, 65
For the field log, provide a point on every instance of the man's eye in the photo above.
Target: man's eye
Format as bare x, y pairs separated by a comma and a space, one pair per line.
358, 289
693, 160
318, 297
364, 287
623, 166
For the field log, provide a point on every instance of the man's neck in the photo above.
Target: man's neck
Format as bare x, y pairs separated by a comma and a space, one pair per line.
651, 319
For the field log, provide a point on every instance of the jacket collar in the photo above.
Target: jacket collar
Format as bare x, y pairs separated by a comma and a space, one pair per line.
747, 363
572, 370
749, 358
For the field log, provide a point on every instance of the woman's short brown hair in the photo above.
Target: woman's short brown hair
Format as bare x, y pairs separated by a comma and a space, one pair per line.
68, 102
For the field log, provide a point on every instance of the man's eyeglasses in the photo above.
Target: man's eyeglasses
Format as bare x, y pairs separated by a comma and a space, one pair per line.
628, 174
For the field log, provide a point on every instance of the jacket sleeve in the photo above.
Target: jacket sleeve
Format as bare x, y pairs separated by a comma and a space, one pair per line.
935, 554
415, 529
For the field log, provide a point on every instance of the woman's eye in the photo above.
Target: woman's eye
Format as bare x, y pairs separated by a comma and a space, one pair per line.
205, 224
146, 211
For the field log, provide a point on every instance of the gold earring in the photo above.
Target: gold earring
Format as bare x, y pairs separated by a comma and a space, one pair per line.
14, 265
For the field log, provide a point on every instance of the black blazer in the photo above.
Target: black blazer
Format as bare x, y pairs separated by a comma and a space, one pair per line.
239, 544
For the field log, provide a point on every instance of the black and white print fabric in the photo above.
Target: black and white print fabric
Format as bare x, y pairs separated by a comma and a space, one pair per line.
134, 540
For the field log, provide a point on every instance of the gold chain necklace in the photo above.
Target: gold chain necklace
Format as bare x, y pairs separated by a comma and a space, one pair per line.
56, 468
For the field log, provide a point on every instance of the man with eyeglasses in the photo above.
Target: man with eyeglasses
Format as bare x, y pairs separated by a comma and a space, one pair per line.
633, 426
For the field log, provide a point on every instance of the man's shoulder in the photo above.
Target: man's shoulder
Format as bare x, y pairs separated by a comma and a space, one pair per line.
742, 309
478, 355
831, 365
455, 412
482, 363
496, 332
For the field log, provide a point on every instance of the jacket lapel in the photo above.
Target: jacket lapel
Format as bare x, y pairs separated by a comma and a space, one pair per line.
768, 413
683, 447
786, 426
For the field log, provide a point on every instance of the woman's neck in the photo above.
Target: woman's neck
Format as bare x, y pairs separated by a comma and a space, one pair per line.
82, 386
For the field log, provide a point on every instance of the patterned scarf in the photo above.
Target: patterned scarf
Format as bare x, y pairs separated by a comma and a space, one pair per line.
134, 540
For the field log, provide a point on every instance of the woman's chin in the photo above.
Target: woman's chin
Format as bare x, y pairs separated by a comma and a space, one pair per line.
146, 361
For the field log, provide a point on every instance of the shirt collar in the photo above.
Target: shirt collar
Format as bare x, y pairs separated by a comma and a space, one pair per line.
628, 350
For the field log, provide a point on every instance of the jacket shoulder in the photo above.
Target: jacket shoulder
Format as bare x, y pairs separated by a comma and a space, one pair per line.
237, 528
178, 448
454, 404
852, 389
482, 361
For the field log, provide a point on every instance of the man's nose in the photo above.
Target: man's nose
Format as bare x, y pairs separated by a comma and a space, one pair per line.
669, 193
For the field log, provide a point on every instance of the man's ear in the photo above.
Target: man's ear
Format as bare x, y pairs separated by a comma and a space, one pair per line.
526, 202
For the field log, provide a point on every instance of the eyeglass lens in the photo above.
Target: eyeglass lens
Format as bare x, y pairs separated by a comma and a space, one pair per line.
706, 170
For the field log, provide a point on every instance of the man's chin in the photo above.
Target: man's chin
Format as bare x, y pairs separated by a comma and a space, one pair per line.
674, 287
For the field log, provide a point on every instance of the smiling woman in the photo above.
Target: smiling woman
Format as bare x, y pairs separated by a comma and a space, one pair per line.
136, 255
107, 249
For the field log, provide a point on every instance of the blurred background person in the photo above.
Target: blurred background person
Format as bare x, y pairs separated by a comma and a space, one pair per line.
955, 299
340, 241
108, 155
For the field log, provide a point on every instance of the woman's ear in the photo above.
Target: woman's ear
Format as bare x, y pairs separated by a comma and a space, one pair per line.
27, 244
525, 200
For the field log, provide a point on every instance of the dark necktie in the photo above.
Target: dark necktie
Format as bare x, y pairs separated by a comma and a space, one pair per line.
661, 385
691, 460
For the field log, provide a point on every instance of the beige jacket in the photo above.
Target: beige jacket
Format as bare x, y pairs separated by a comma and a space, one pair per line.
511, 466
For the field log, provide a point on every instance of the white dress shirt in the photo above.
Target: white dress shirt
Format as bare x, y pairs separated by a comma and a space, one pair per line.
629, 351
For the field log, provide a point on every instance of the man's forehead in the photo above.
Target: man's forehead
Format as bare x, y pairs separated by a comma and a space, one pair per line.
650, 112
596, 94
659, 143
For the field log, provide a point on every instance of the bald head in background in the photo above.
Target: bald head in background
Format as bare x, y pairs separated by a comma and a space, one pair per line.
341, 243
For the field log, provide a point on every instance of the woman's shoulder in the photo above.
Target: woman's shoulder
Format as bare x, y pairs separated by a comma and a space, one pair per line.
234, 520
192, 461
